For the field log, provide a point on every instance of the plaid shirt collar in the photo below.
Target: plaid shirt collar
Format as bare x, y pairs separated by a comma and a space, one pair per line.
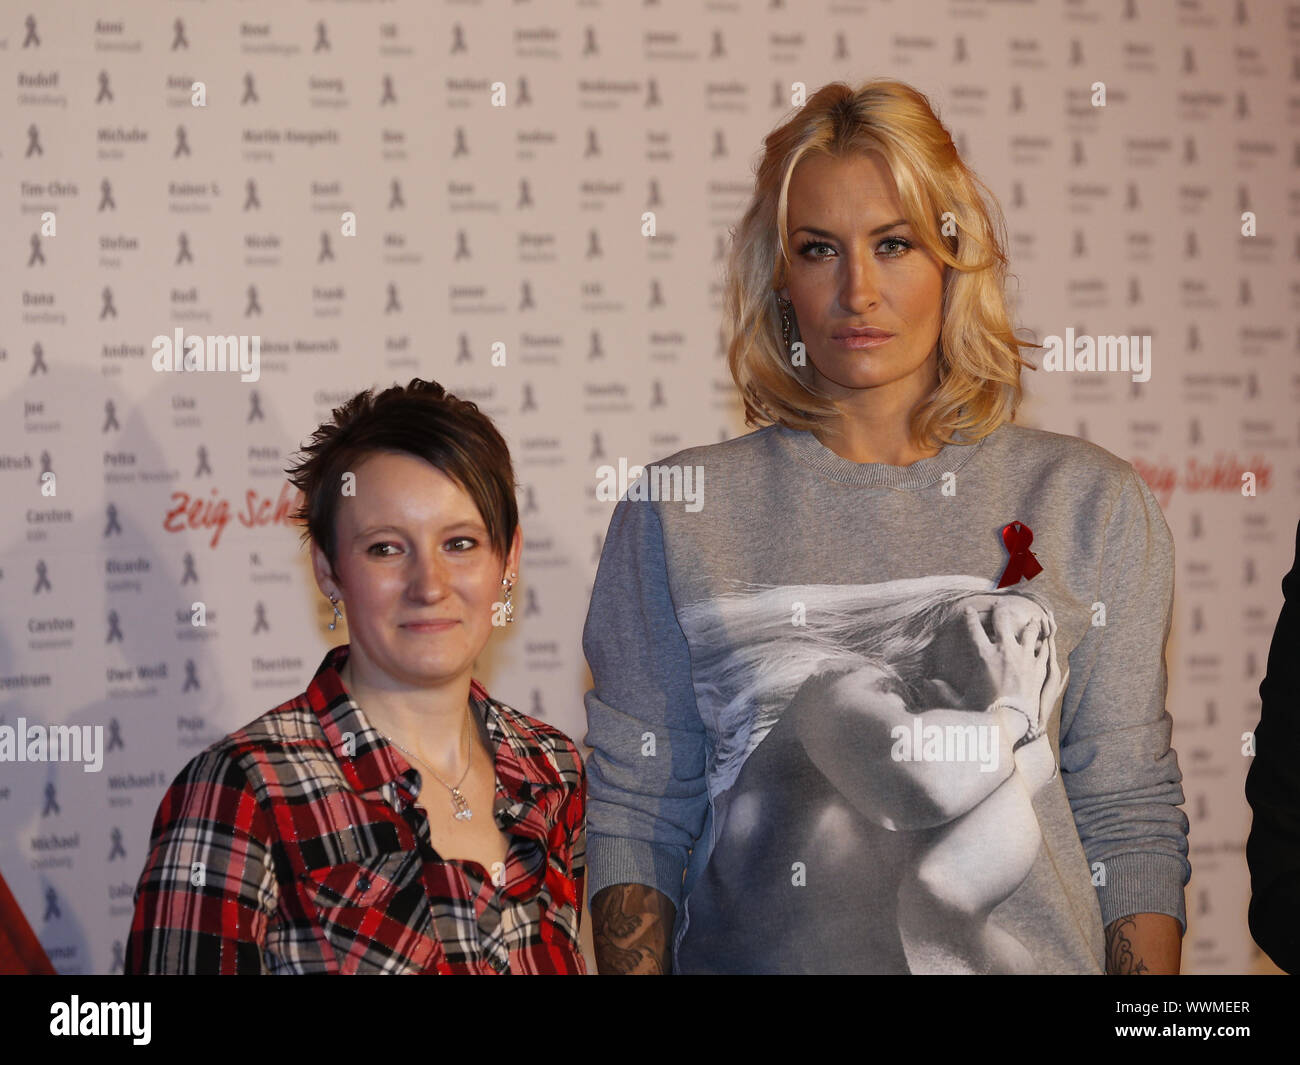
370, 762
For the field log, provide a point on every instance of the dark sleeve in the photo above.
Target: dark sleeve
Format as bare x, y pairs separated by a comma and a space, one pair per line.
208, 888
1273, 790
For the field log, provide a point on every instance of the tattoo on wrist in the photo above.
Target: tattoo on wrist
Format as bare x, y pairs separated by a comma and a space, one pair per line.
630, 928
1121, 956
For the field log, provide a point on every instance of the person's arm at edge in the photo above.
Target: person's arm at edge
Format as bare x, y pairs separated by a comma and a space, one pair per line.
1273, 791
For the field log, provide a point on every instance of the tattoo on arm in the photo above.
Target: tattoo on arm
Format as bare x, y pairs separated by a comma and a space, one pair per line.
631, 925
1121, 958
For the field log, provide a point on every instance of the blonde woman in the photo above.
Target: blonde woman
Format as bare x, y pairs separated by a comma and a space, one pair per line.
735, 825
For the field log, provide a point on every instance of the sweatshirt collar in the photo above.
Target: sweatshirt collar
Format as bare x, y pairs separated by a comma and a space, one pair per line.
805, 448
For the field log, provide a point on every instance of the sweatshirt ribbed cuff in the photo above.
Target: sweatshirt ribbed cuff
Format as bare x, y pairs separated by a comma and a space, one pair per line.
1143, 883
617, 860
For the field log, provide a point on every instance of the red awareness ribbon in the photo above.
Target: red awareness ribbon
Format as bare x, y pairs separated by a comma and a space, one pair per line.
1022, 563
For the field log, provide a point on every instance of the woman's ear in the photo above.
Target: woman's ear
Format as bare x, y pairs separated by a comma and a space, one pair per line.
323, 571
516, 550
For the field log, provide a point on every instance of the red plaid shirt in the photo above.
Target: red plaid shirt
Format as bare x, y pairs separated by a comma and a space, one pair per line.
294, 845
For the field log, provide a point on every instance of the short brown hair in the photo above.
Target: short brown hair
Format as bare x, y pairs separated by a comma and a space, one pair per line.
979, 355
421, 419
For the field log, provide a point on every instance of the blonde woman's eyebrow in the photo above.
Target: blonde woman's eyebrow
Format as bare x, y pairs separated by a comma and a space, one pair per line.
875, 232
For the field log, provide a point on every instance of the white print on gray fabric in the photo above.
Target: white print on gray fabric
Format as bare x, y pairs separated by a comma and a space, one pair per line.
814, 696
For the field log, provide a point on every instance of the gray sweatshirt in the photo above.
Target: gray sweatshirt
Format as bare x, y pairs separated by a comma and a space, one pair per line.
823, 730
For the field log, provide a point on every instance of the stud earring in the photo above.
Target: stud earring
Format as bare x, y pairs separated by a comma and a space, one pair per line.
334, 602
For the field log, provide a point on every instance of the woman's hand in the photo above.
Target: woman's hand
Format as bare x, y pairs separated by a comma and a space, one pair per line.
1054, 685
1014, 663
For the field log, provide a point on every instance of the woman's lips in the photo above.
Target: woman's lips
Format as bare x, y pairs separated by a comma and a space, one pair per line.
863, 341
430, 626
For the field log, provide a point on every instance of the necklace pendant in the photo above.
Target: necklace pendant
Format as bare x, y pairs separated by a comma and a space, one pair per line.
463, 812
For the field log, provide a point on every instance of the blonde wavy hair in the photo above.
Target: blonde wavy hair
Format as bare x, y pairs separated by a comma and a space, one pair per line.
979, 355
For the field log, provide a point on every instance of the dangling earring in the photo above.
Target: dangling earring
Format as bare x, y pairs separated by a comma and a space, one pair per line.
334, 602
786, 326
508, 608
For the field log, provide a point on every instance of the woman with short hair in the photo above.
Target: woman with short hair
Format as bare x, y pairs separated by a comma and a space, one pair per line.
394, 817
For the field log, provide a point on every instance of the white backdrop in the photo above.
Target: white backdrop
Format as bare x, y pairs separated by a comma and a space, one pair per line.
131, 212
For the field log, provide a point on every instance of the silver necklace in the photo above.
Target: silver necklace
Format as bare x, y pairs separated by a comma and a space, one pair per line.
459, 804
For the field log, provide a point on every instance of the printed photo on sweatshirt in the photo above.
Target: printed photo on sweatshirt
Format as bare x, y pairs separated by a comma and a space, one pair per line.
880, 751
